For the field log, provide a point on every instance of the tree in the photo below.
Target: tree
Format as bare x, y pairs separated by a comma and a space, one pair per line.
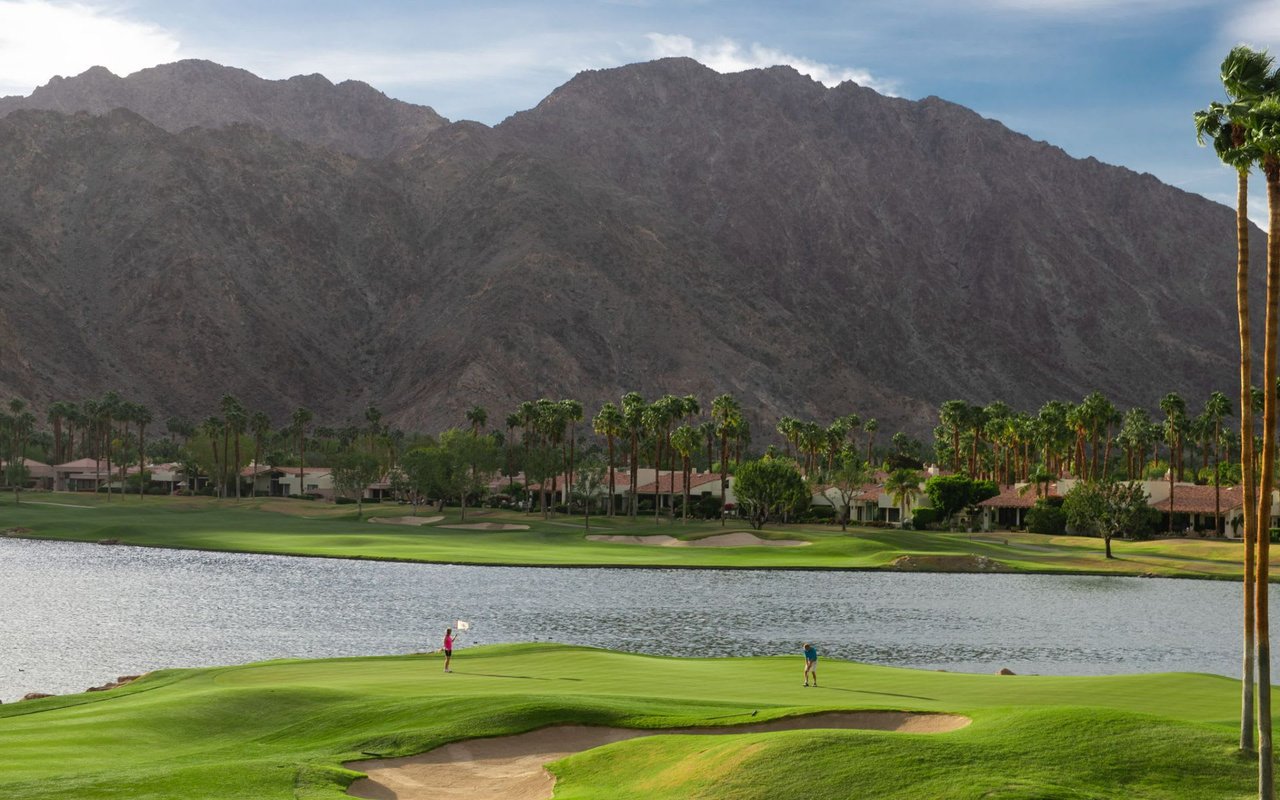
768, 488
1247, 76
301, 419
903, 486
352, 473
869, 428
476, 418
467, 464
588, 480
685, 440
950, 493
142, 416
725, 412
610, 424
1106, 508
1215, 408
1175, 410
633, 407
847, 476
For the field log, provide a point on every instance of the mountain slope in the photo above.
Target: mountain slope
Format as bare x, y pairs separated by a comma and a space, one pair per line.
351, 117
657, 227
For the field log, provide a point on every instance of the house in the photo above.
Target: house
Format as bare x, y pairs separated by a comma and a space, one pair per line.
39, 475
1192, 506
315, 480
701, 484
81, 475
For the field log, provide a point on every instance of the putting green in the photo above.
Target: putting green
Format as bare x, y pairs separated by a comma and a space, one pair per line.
283, 729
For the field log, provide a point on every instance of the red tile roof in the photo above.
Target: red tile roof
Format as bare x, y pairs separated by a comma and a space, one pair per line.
667, 480
1011, 497
1199, 499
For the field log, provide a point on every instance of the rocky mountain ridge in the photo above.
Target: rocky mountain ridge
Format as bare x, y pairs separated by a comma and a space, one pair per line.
657, 227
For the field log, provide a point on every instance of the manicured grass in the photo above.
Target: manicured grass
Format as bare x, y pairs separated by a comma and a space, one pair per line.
300, 527
281, 729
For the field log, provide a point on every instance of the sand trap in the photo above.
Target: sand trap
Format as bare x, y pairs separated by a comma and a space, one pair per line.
734, 539
513, 767
405, 520
486, 526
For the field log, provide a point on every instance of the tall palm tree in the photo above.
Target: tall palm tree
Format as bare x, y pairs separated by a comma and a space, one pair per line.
1215, 408
108, 411
724, 412
260, 428
1263, 124
869, 428
142, 416
633, 407
1175, 409
685, 440
572, 412
212, 429
301, 419
476, 418
953, 415
610, 424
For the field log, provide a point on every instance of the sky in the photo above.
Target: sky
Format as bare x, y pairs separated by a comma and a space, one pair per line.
1114, 79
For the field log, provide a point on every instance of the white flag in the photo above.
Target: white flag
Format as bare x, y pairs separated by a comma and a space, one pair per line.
462, 625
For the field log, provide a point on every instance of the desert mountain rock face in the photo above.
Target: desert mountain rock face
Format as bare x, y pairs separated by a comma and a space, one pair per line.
351, 117
657, 227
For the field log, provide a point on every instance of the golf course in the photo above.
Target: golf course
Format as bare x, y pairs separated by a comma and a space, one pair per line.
492, 537
284, 729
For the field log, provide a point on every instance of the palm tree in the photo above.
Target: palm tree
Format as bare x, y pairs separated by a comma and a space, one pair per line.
1263, 124
903, 486
571, 411
633, 407
212, 429
1215, 408
724, 411
236, 422
108, 411
142, 416
610, 424
869, 428
260, 427
685, 440
301, 419
1175, 409
953, 415
476, 418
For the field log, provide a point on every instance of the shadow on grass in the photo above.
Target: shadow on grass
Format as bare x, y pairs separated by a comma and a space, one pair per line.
520, 677
884, 694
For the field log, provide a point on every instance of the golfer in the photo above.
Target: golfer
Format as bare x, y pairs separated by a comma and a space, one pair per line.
448, 648
810, 663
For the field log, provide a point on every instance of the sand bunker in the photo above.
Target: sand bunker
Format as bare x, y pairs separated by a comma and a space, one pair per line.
486, 526
513, 767
734, 539
405, 520
941, 563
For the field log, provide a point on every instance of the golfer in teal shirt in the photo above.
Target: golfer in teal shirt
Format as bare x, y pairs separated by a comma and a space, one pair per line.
810, 663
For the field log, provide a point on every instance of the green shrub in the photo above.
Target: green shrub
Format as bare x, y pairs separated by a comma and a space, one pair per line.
344, 501
819, 514
1047, 517
922, 518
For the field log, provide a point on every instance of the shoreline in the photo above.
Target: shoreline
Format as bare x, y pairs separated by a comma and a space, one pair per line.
1275, 578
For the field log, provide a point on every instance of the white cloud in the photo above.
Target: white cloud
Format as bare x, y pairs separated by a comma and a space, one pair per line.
726, 55
40, 39
1256, 23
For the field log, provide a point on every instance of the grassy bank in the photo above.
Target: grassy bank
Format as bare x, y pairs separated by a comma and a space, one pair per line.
300, 527
282, 729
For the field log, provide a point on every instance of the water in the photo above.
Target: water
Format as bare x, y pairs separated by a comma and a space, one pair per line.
77, 615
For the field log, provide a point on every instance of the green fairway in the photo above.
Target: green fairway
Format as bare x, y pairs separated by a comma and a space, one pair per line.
300, 527
282, 729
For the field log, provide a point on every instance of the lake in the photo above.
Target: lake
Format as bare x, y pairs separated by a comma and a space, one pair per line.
77, 615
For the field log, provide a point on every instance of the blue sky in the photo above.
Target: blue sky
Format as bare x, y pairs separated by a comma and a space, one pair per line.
1114, 80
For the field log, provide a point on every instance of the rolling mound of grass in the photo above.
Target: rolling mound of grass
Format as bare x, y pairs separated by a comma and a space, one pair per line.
300, 527
282, 729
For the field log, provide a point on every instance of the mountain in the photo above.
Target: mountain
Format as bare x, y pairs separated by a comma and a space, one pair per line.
657, 227
351, 117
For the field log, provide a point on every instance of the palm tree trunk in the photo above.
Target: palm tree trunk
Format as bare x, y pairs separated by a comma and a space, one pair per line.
611, 475
1266, 780
1247, 463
